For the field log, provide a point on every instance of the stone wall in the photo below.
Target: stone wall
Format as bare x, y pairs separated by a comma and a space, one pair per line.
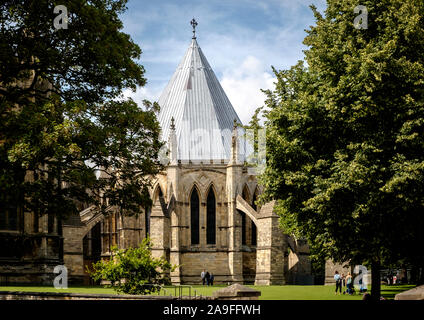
29, 255
193, 263
270, 250
331, 267
249, 266
73, 254
228, 259
27, 272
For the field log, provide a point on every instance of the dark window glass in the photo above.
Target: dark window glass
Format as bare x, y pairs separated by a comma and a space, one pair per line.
211, 218
254, 232
3, 220
194, 217
9, 219
243, 217
243, 227
50, 222
36, 225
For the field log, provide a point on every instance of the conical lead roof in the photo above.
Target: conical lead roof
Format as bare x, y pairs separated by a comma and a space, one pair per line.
204, 117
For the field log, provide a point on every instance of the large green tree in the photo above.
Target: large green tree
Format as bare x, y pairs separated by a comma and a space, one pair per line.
345, 147
62, 114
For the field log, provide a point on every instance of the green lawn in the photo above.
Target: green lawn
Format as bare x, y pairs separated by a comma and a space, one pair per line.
308, 292
268, 292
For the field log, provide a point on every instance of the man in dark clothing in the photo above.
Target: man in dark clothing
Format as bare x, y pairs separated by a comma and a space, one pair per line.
207, 276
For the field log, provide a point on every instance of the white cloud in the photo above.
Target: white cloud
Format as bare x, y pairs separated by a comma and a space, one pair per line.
243, 86
142, 93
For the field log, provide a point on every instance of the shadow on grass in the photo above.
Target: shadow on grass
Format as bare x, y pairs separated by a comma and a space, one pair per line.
389, 292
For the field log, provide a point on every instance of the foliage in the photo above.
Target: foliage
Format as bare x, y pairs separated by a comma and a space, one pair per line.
345, 148
250, 139
133, 270
63, 119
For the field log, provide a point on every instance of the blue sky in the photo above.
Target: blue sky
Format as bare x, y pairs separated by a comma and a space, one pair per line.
241, 39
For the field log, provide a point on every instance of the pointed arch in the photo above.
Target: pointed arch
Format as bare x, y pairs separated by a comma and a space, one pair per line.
170, 192
158, 193
245, 194
194, 215
211, 216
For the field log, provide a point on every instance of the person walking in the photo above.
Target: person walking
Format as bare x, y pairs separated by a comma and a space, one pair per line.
338, 279
203, 275
211, 279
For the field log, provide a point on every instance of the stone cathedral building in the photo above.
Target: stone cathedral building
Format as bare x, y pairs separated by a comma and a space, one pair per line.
204, 213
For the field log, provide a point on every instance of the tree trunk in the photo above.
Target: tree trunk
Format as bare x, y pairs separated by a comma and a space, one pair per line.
375, 281
421, 276
414, 275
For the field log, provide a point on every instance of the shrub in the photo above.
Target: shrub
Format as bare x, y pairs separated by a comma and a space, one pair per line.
133, 270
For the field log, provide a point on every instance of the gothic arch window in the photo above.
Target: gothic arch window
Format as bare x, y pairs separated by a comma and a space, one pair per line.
194, 216
211, 218
158, 194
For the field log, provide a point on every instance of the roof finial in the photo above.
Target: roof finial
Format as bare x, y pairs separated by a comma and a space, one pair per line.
172, 123
193, 23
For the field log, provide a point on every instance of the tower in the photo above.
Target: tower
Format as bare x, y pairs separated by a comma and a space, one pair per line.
209, 191
204, 214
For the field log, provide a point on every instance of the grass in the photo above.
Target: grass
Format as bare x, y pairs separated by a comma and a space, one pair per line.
295, 292
267, 292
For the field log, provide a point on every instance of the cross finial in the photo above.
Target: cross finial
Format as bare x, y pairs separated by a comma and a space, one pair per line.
172, 123
193, 23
